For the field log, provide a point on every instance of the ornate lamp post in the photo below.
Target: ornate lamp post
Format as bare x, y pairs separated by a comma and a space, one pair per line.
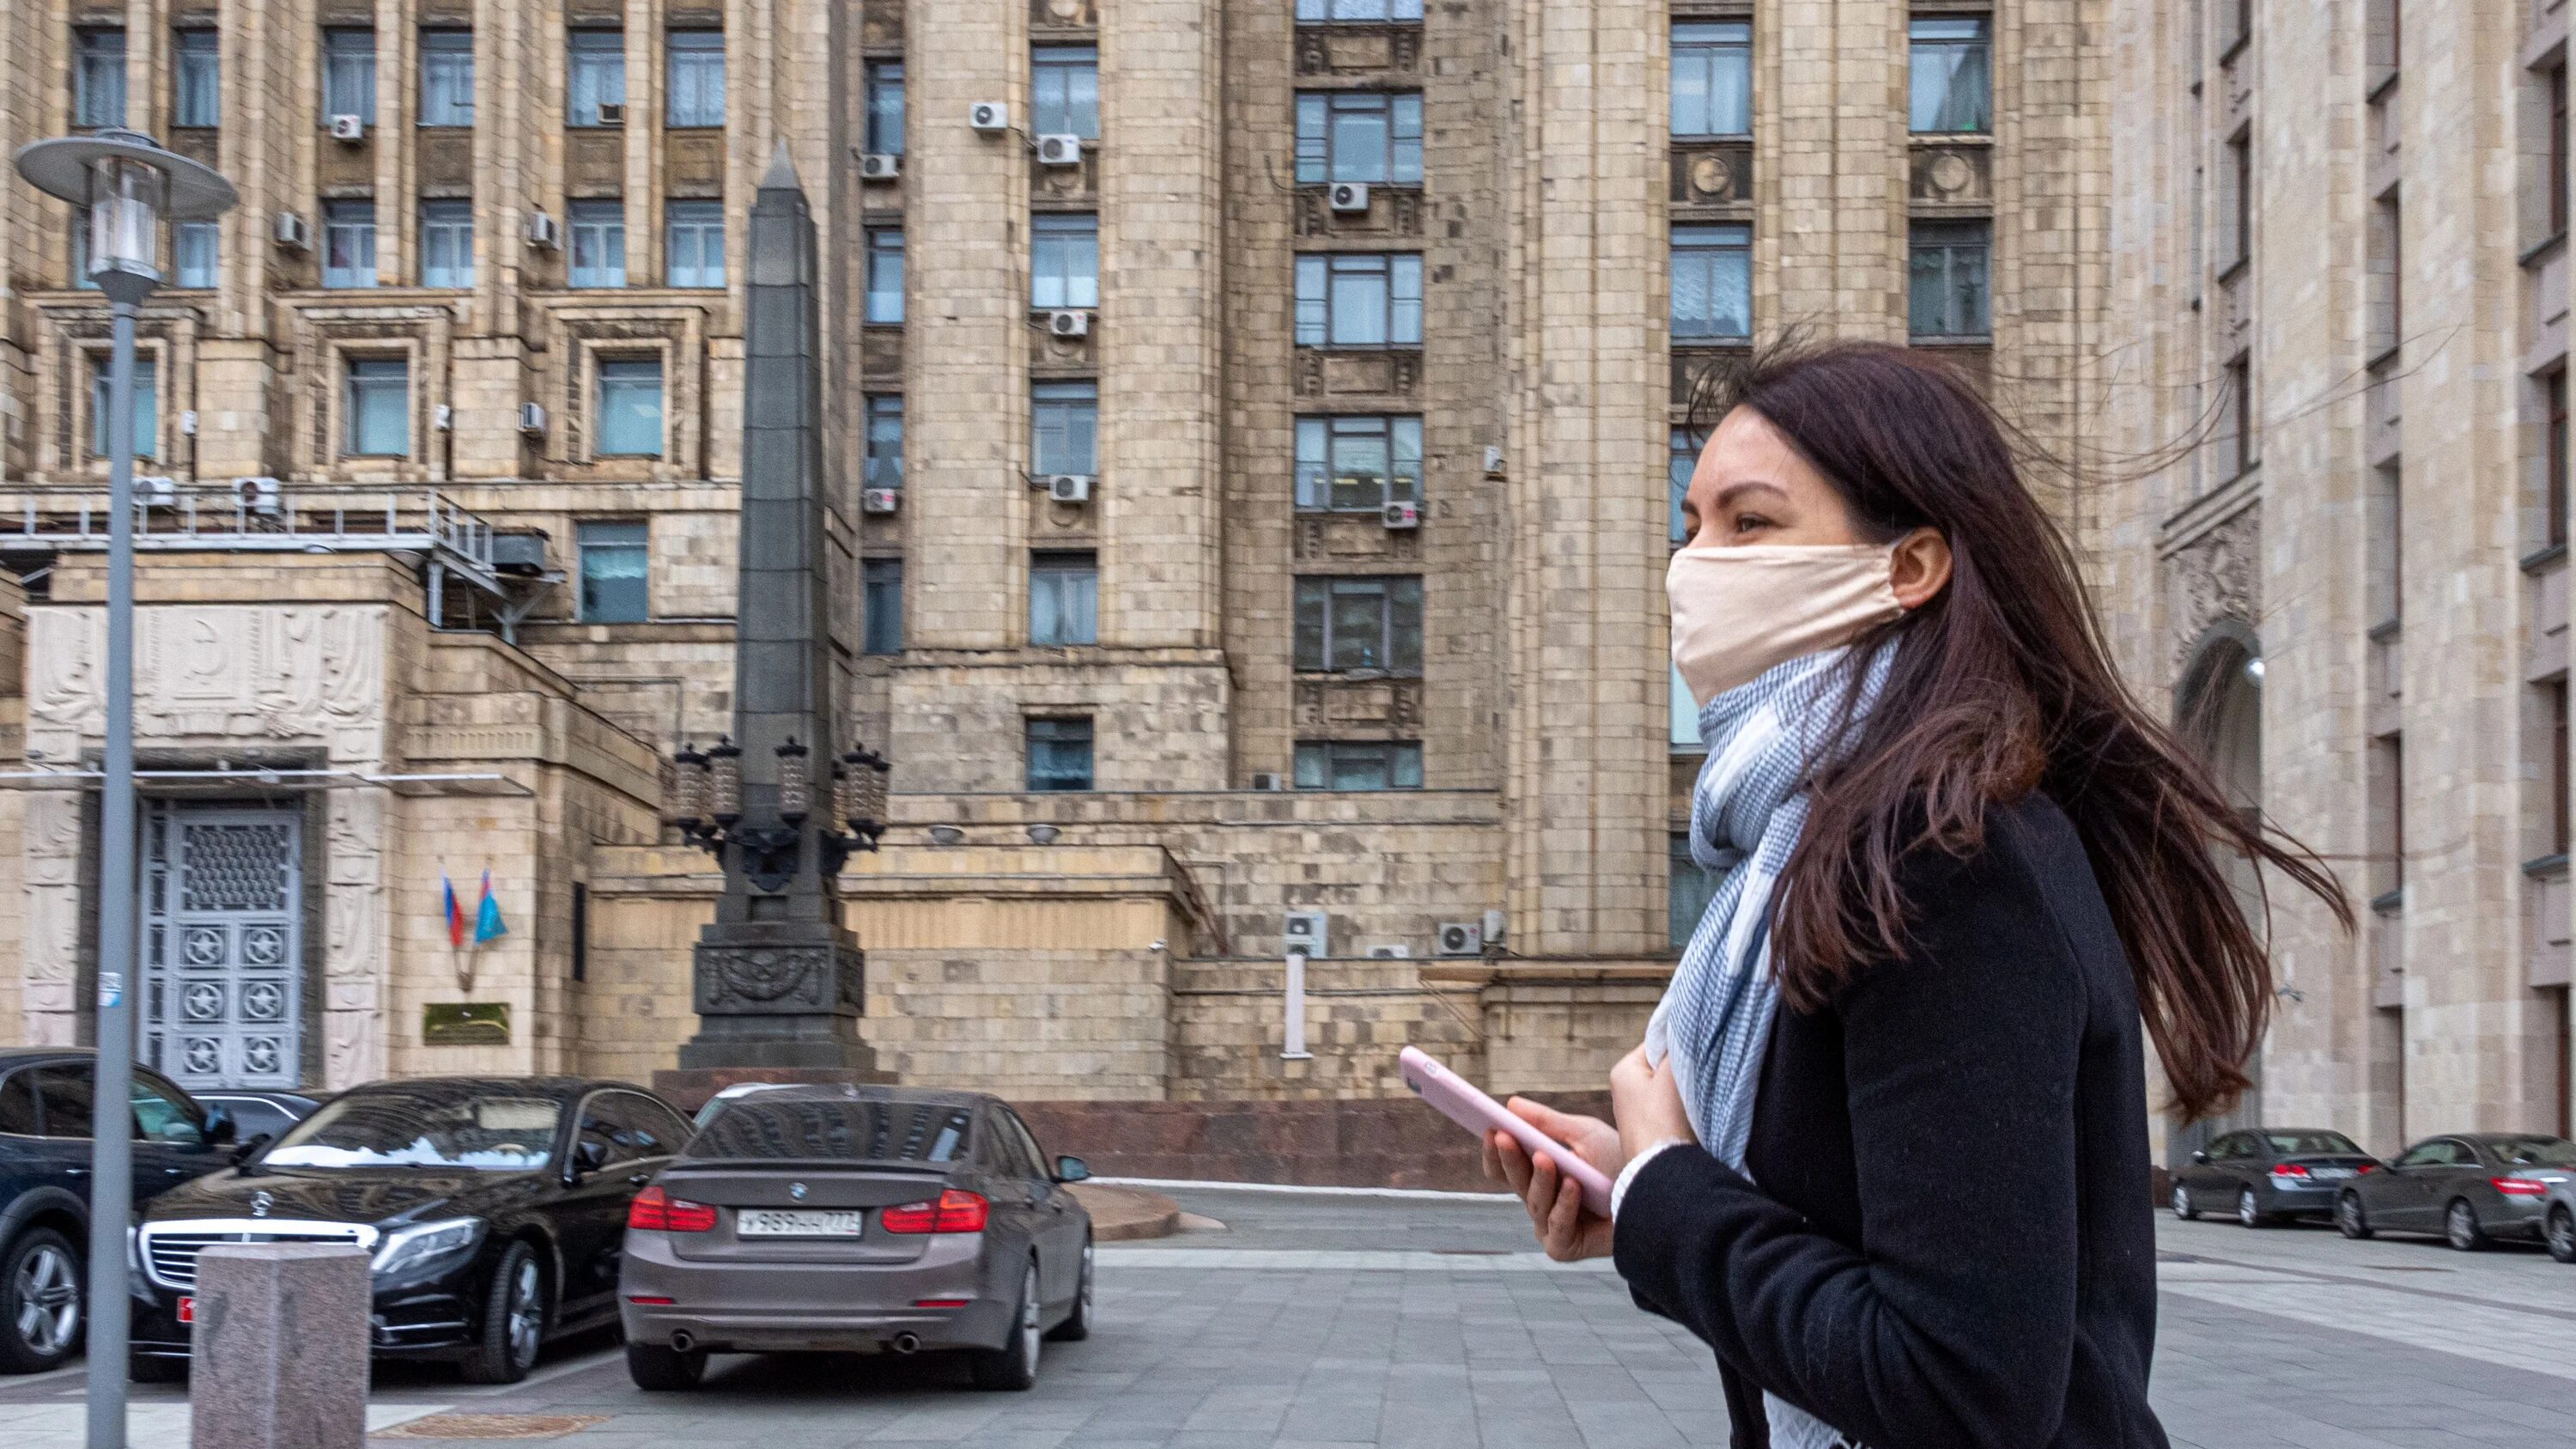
130, 186
706, 805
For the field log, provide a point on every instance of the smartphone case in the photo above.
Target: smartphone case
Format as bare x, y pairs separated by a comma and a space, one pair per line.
1461, 1102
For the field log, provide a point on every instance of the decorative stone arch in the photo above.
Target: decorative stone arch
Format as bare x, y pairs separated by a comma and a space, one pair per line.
2218, 713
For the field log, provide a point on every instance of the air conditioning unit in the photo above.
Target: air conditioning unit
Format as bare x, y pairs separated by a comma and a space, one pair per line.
1069, 487
541, 230
1462, 938
259, 495
879, 166
1269, 780
1401, 515
348, 127
442, 417
156, 490
612, 113
990, 117
1069, 322
289, 230
1349, 196
880, 500
1059, 150
1390, 951
1307, 931
532, 417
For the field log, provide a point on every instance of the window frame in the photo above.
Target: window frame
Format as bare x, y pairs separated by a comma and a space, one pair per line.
184, 276
596, 224
594, 65
147, 406
1061, 67
341, 219
450, 220
1320, 142
1072, 592
1319, 472
1681, 923
877, 409
1064, 261
589, 537
885, 117
1320, 643
446, 72
1320, 279
363, 377
1089, 742
1080, 400
101, 82
353, 67
2554, 458
619, 374
1396, 12
703, 223
883, 247
198, 49
686, 64
1977, 48
1399, 764
1954, 241
881, 630
1711, 246
1681, 463
1713, 54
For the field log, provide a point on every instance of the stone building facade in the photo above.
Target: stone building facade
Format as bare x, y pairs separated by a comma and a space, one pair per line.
1254, 430
2341, 295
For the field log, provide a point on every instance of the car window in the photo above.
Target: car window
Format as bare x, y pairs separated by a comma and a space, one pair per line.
2438, 1153
2535, 1151
426, 1124
1010, 1154
644, 1127
668, 1130
18, 1104
855, 1129
1038, 1164
2292, 1144
603, 1121
252, 1116
2224, 1149
67, 1100
163, 1113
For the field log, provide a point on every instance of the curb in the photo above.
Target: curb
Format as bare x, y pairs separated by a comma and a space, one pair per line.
1125, 1214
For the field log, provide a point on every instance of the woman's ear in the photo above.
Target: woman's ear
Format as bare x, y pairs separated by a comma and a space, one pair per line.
1920, 567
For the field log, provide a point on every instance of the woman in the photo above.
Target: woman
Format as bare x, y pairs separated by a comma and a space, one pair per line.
1885, 1146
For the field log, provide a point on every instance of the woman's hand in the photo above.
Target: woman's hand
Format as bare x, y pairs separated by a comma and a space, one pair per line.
1647, 1101
1565, 1227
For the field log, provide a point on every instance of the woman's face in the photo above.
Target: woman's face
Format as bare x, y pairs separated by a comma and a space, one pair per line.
1752, 487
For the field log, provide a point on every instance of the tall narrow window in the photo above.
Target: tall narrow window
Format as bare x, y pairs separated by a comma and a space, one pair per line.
2240, 444
1064, 424
1951, 85
193, 246
147, 409
1947, 292
598, 227
630, 407
1712, 79
884, 463
615, 581
694, 243
2553, 466
349, 73
1684, 719
1064, 91
376, 409
196, 91
98, 76
1064, 598
1712, 282
447, 243
1060, 754
348, 244
2558, 149
885, 275
596, 60
1358, 463
697, 79
1360, 625
885, 107
2240, 166
1371, 136
881, 598
1359, 299
447, 77
1359, 12
1682, 460
1064, 260
580, 931
1693, 887
1359, 765
2556, 774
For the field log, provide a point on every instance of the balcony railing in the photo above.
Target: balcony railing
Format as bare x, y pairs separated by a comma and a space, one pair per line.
257, 515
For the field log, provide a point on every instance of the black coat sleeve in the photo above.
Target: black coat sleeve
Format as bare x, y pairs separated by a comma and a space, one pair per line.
1952, 1322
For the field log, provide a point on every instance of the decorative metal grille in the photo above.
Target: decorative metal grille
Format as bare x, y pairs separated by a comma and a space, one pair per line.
223, 945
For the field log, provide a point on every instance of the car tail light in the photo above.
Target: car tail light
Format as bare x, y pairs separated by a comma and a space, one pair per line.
939, 1302
657, 1211
2289, 1169
649, 1301
957, 1211
2519, 1186
2366, 1169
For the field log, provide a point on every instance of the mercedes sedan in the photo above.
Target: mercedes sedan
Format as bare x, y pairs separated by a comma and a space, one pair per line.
2470, 1187
2266, 1174
861, 1219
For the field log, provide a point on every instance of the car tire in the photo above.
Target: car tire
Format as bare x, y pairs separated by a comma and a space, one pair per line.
1014, 1365
2460, 1226
514, 1321
2248, 1211
151, 1368
2351, 1219
2561, 1234
659, 1369
41, 1302
2182, 1206
1077, 1324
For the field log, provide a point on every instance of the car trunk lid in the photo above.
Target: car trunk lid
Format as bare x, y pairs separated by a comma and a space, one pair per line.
733, 1188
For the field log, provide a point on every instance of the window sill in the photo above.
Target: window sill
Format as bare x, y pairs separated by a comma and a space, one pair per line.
2380, 86
2388, 903
1951, 138
1951, 339
1374, 510
2235, 48
2382, 357
2237, 268
2542, 867
1353, 676
2543, 249
694, 128
2543, 556
1711, 138
1361, 349
2382, 632
1713, 340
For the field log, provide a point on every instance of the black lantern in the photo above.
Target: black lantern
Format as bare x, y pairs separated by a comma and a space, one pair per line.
795, 782
724, 784
689, 789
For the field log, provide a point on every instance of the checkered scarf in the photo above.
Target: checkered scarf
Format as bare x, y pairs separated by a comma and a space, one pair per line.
1765, 740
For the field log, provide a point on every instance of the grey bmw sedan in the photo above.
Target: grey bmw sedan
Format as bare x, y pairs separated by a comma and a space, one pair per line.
864, 1219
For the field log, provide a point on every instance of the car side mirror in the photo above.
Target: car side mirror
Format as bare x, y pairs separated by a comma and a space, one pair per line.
221, 1131
589, 1155
1072, 1169
245, 1151
2201, 1158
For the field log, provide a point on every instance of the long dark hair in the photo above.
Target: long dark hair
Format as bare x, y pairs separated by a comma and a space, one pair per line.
2006, 686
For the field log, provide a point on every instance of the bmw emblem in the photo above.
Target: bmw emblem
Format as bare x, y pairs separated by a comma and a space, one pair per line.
260, 1203
796, 1190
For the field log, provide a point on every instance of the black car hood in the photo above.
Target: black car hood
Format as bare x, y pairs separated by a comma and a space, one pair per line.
349, 1195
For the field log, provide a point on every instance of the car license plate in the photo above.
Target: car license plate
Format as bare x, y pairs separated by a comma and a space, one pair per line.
187, 1310
2330, 1173
795, 1223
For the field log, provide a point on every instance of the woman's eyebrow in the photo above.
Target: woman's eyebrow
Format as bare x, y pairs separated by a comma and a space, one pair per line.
1733, 491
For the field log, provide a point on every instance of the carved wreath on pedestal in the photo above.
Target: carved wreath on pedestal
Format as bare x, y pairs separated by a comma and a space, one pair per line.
762, 975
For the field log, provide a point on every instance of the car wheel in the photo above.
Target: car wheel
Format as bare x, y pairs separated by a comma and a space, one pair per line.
2182, 1207
2562, 1235
2246, 1210
656, 1369
1077, 1324
151, 1368
2460, 1226
1015, 1364
40, 1302
514, 1321
2350, 1219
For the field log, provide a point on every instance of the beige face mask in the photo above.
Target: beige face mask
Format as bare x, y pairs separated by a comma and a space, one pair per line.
1739, 611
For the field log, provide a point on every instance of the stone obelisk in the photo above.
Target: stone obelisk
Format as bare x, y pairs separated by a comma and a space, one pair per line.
777, 980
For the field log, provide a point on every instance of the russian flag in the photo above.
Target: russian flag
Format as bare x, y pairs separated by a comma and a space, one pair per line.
455, 915
487, 914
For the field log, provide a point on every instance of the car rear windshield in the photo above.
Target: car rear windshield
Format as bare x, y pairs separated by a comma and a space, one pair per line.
2536, 1152
489, 1132
852, 1131
2291, 1144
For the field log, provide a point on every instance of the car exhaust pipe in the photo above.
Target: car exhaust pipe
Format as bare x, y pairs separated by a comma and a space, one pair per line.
682, 1341
906, 1343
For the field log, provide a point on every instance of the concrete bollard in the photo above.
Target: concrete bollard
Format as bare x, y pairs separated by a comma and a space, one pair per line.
279, 1358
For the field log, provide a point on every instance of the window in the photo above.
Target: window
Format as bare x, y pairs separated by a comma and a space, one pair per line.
376, 413
881, 597
1360, 299
163, 1113
348, 244
884, 461
580, 931
613, 558
1359, 765
1684, 734
1060, 754
598, 242
1682, 462
69, 1096
1064, 422
1358, 464
447, 243
597, 61
1692, 888
1399, 12
1347, 625
885, 275
1064, 91
2554, 465
1951, 79
1947, 294
694, 251
147, 409
2239, 448
98, 77
630, 407
81, 275
2558, 149
1373, 136
1064, 598
697, 78
349, 72
195, 65
2240, 163
192, 253
18, 1104
2240, 23
1713, 79
447, 77
1712, 281
1064, 260
885, 107
2556, 774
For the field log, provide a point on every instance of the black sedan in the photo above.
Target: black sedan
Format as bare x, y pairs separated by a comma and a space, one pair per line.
2266, 1174
493, 1211
2470, 1187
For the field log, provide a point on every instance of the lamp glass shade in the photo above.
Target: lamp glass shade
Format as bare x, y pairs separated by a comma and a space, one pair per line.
127, 198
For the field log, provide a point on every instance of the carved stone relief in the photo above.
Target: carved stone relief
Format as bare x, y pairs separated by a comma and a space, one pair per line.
226, 672
2214, 577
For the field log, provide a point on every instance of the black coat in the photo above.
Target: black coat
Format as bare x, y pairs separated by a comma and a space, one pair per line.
1952, 1246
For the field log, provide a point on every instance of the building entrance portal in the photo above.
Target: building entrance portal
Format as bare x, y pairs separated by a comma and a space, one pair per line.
223, 946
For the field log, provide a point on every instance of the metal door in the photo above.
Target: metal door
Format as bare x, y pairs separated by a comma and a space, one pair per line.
223, 945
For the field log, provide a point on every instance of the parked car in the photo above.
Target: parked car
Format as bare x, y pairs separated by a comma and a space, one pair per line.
2558, 1220
261, 1115
494, 1210
863, 1219
2470, 1187
46, 1097
2265, 1174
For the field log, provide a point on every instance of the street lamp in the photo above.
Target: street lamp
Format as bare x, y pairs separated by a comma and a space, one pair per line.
130, 185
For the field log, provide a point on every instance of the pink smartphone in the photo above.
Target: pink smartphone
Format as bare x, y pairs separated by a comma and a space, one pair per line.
1460, 1102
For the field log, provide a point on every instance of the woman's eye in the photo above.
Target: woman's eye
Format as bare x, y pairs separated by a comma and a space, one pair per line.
1748, 522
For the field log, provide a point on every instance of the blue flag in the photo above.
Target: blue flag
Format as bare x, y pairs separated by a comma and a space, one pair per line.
487, 915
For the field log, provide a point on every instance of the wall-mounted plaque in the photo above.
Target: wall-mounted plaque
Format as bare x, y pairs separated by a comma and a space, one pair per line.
465, 1023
